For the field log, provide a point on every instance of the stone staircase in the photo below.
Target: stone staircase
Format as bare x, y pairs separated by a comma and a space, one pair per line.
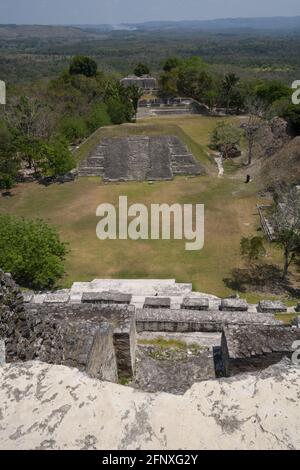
140, 158
182, 161
94, 164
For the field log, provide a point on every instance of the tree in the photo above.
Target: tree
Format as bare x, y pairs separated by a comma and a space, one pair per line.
272, 90
82, 65
73, 128
57, 158
134, 94
194, 78
257, 112
291, 112
28, 122
228, 86
141, 69
9, 161
31, 251
225, 137
252, 249
286, 223
171, 63
168, 84
99, 116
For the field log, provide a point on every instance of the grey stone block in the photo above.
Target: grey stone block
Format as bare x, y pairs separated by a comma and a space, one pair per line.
269, 306
106, 298
234, 305
59, 298
155, 319
157, 302
195, 304
248, 347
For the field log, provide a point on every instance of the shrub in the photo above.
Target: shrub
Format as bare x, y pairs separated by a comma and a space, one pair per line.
31, 251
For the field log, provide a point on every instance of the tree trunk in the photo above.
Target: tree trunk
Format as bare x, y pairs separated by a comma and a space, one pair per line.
250, 151
287, 262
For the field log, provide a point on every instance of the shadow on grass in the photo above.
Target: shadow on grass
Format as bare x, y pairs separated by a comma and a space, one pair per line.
264, 278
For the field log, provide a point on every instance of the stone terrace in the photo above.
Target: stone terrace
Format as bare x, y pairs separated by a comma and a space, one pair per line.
159, 320
140, 158
249, 347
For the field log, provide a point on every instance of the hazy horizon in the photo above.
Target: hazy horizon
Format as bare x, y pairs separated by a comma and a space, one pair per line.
93, 12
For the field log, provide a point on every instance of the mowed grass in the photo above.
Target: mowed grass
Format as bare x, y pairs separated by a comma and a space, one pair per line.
195, 131
230, 213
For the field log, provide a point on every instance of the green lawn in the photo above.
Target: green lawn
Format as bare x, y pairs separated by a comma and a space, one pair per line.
229, 215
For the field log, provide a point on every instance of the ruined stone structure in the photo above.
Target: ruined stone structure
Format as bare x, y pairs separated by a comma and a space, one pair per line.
185, 321
145, 82
269, 306
140, 158
99, 339
247, 347
94, 327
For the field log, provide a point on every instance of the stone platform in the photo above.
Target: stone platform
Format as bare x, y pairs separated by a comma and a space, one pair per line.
140, 158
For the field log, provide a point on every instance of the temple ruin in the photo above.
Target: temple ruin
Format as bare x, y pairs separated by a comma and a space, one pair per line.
140, 158
120, 330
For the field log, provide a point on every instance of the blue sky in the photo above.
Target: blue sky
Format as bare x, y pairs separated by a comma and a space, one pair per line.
117, 11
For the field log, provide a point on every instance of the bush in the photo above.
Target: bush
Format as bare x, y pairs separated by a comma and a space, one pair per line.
31, 251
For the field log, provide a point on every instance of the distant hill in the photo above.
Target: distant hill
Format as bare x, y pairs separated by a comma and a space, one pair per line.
9, 32
271, 24
84, 31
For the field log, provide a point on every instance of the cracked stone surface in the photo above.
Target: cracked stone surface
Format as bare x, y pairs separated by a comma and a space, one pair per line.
46, 406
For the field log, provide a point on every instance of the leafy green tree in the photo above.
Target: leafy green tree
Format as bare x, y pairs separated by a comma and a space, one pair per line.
73, 128
228, 87
82, 65
225, 136
58, 159
171, 63
272, 90
141, 69
291, 112
194, 79
134, 94
31, 251
252, 249
98, 117
9, 161
168, 84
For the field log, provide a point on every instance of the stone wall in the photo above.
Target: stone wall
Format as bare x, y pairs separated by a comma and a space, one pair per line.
92, 337
248, 348
11, 304
196, 321
99, 339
